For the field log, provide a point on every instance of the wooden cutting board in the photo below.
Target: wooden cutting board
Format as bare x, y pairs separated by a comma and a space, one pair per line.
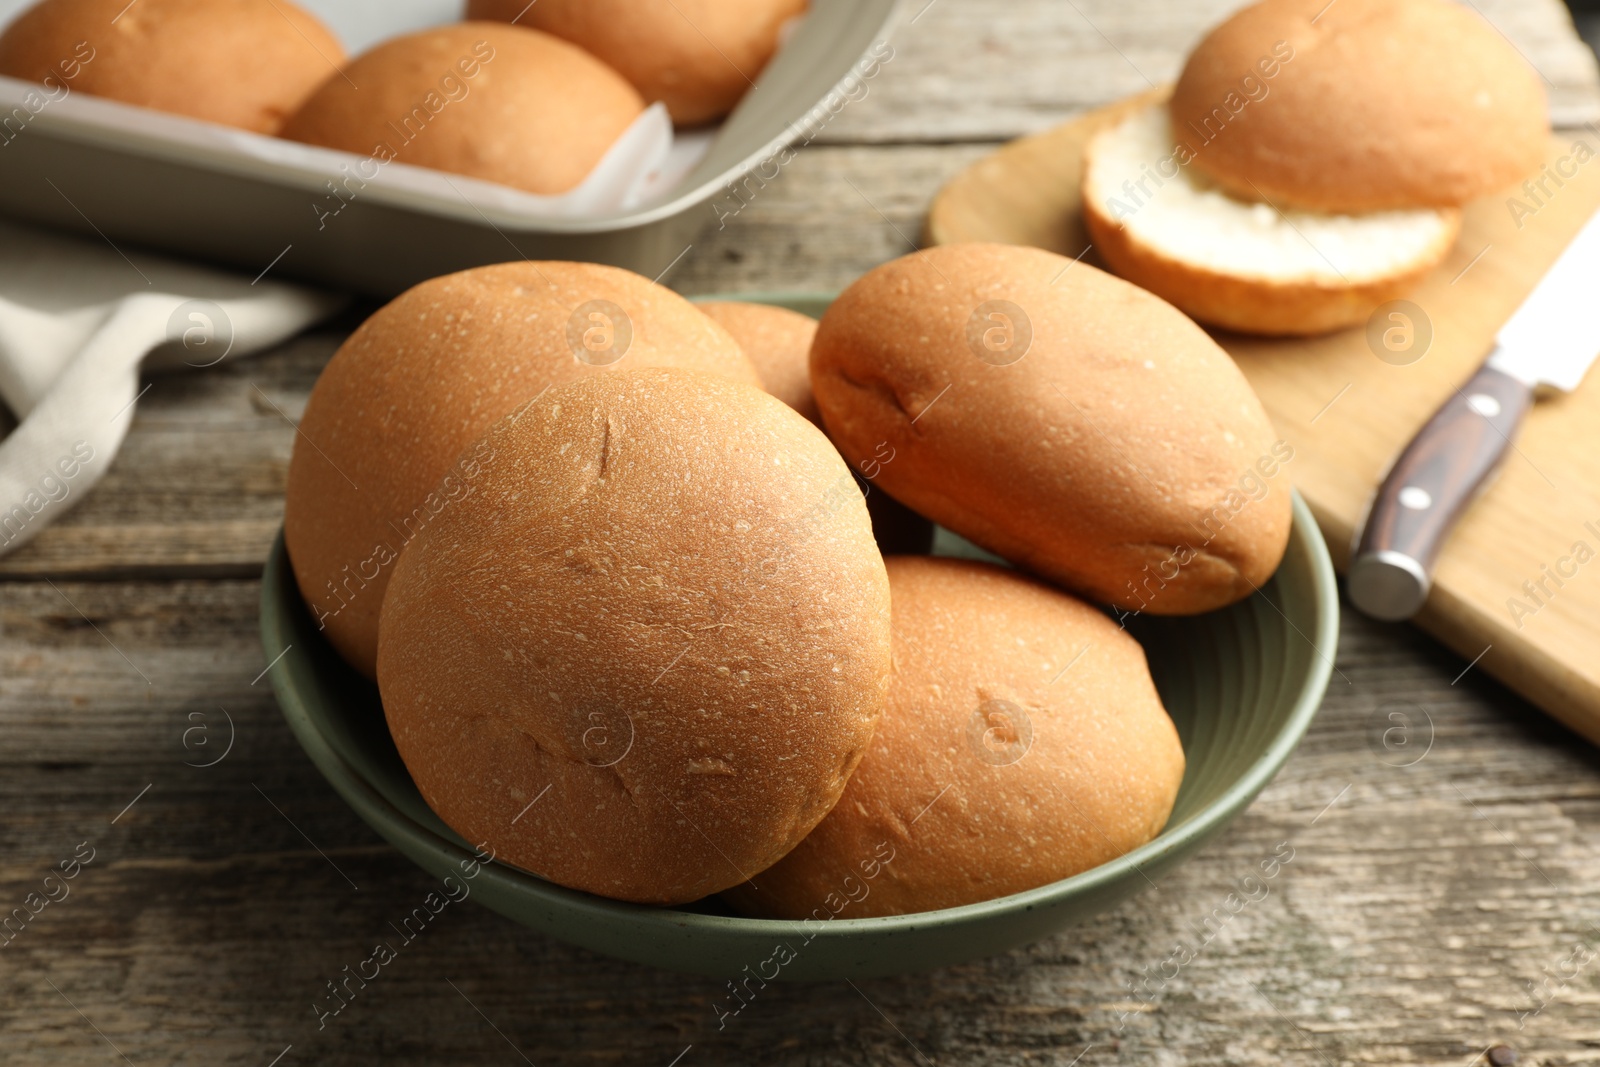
1348, 413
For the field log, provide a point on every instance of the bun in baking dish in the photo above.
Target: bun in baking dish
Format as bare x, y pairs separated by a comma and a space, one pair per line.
244, 63
1023, 742
1061, 418
379, 453
644, 657
491, 101
1360, 105
696, 56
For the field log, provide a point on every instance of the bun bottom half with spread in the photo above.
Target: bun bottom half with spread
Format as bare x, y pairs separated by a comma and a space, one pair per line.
643, 657
1023, 742
1245, 265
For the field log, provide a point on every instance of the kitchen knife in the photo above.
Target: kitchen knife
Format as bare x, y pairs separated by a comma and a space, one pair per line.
1547, 345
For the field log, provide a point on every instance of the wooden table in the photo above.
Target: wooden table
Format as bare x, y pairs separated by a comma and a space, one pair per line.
1443, 897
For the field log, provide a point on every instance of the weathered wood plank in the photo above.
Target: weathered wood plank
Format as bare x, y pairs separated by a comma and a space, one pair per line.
198, 486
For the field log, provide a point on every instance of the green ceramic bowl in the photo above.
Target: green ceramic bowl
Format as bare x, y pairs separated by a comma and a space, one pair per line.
1241, 684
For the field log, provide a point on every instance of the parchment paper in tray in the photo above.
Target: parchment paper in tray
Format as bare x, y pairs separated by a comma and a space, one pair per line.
640, 166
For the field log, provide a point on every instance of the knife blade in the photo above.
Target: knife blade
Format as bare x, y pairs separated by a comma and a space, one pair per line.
1547, 345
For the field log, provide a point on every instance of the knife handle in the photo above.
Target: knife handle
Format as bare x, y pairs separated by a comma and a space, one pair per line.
1428, 488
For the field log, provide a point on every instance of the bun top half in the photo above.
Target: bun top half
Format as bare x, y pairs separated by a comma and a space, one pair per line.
1360, 105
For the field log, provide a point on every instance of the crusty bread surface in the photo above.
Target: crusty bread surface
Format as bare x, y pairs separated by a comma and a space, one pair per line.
1062, 418
778, 342
1360, 105
501, 103
696, 56
644, 657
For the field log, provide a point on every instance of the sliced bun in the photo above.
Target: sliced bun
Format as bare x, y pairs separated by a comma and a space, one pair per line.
696, 56
376, 458
1023, 742
1360, 105
491, 101
1245, 265
244, 63
1061, 418
644, 657
778, 342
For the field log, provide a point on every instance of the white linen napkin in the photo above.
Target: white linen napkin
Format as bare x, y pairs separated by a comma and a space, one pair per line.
77, 320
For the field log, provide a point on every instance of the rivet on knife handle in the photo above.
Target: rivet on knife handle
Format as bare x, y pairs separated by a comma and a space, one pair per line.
1428, 488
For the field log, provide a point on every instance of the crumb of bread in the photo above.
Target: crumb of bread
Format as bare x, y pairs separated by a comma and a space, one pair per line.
1135, 178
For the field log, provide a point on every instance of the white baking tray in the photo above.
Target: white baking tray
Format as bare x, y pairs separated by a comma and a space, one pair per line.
209, 192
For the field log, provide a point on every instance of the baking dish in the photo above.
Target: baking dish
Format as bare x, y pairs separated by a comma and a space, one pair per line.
180, 186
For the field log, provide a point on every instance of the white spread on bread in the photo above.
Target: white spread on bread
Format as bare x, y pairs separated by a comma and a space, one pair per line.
1135, 179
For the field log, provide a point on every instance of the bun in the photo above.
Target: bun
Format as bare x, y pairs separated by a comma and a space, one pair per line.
1244, 265
696, 56
1060, 417
1023, 742
778, 342
244, 63
428, 374
496, 102
1360, 105
656, 557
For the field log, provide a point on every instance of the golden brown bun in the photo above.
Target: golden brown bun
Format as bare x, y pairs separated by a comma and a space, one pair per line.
696, 56
656, 554
1242, 265
427, 375
1381, 104
244, 63
778, 342
1023, 742
1117, 456
501, 103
